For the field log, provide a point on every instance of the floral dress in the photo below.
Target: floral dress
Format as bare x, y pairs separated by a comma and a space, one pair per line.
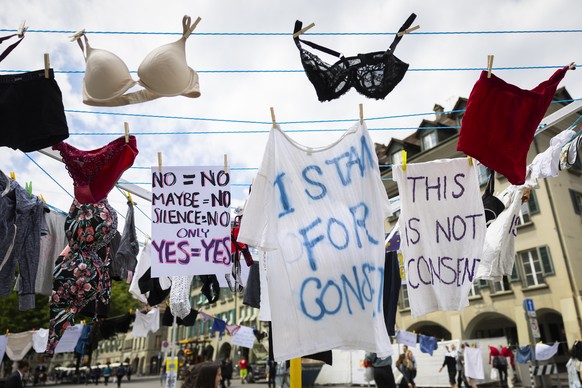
81, 276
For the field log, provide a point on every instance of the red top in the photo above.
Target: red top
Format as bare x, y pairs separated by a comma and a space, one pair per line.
243, 363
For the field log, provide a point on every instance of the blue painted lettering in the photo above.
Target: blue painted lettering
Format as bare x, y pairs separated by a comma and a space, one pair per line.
284, 200
359, 214
322, 188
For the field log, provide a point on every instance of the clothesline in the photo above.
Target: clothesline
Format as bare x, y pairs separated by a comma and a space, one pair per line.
289, 33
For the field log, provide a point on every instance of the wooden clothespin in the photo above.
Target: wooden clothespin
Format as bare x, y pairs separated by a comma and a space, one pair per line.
7, 331
126, 128
408, 30
470, 160
226, 163
403, 160
160, 161
42, 198
22, 29
130, 311
572, 66
303, 30
47, 65
130, 199
361, 106
273, 117
489, 65
12, 175
84, 322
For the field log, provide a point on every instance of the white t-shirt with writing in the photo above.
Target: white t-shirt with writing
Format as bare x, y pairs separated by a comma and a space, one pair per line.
319, 213
442, 229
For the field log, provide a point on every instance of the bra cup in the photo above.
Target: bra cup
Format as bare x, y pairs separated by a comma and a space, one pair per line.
165, 70
106, 76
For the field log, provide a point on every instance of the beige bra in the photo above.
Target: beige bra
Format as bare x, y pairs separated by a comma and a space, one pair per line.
163, 73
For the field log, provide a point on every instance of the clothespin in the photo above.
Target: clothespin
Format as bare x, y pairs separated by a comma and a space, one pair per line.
84, 322
160, 161
130, 199
572, 66
489, 65
126, 127
22, 29
7, 331
303, 30
42, 198
470, 160
77, 35
28, 187
361, 106
226, 163
130, 311
47, 65
12, 175
408, 30
273, 117
403, 160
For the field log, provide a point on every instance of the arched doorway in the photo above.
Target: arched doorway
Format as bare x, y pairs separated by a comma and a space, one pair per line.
551, 330
135, 365
432, 329
491, 325
154, 366
208, 353
225, 350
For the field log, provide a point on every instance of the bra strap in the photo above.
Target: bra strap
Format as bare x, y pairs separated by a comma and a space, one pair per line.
406, 25
298, 25
77, 37
11, 47
187, 26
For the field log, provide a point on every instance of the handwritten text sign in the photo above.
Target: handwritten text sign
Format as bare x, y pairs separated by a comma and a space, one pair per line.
442, 225
190, 221
244, 337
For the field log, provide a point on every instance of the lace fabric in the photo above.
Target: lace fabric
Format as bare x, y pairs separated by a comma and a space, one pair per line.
95, 172
180, 296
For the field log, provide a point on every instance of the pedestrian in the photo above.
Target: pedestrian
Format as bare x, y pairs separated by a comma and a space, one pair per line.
461, 378
404, 365
499, 362
106, 373
16, 379
271, 373
242, 364
409, 354
203, 375
226, 370
574, 366
128, 372
163, 375
451, 363
383, 375
119, 374
96, 373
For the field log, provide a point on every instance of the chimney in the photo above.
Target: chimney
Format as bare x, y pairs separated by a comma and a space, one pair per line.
438, 110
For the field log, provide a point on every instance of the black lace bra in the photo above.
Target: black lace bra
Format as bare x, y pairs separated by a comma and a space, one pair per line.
372, 74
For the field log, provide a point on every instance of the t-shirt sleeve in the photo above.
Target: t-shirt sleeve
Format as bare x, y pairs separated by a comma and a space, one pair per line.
257, 228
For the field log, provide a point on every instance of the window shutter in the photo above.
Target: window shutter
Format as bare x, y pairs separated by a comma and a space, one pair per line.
514, 273
547, 267
533, 203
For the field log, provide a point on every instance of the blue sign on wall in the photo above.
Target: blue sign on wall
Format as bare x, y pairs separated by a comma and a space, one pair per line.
528, 305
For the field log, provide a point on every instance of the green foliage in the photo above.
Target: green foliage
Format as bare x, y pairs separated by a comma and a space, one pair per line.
121, 299
17, 321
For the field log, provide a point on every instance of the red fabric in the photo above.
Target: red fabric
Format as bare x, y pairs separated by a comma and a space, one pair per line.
506, 352
95, 172
493, 352
243, 363
500, 122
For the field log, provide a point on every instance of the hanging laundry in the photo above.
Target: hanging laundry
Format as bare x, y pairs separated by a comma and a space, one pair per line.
265, 307
252, 294
163, 73
120, 324
83, 344
3, 341
218, 326
231, 328
372, 74
443, 228
492, 205
427, 344
31, 107
82, 275
545, 352
125, 260
523, 354
319, 215
51, 245
39, 340
569, 155
498, 255
392, 283
406, 338
18, 345
180, 295
188, 320
145, 323
500, 122
547, 164
21, 226
474, 363
143, 287
69, 340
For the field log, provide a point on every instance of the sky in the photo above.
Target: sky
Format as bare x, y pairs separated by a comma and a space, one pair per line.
230, 99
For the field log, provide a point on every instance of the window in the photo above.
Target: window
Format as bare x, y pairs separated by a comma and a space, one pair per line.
429, 140
475, 289
535, 265
404, 301
528, 208
500, 285
576, 201
396, 157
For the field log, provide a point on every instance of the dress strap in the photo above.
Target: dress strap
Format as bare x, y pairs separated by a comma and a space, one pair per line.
405, 26
12, 46
298, 26
187, 26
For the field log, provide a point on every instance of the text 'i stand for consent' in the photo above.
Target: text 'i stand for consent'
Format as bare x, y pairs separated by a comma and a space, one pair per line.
190, 221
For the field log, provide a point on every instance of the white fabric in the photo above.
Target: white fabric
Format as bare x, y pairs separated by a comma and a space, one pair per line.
69, 339
180, 295
499, 248
18, 345
406, 338
573, 368
143, 264
51, 245
320, 213
265, 308
474, 363
40, 340
546, 164
545, 352
3, 341
244, 337
442, 225
144, 323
